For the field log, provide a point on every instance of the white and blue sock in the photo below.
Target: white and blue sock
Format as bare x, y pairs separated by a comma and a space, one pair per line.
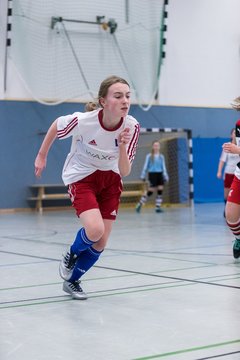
81, 243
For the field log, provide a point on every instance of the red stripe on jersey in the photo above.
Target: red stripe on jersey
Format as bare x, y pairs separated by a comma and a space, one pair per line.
68, 128
133, 143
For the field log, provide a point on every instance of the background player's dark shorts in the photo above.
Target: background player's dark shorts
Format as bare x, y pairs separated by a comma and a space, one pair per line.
234, 193
155, 179
100, 190
228, 179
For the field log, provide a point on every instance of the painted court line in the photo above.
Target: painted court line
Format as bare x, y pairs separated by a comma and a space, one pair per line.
183, 351
137, 272
94, 294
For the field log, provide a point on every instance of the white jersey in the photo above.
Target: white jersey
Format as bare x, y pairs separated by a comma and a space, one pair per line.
93, 146
230, 161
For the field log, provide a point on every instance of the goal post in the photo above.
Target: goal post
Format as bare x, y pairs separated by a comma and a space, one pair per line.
176, 146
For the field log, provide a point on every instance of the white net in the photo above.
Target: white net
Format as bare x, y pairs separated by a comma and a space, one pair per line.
64, 49
175, 147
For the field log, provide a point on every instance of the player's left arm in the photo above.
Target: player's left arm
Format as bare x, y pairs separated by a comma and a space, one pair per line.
165, 173
127, 142
123, 161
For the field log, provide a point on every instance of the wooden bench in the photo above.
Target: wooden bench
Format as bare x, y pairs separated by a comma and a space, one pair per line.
51, 193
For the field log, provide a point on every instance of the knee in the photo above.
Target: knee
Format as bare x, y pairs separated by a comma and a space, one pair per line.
100, 245
95, 230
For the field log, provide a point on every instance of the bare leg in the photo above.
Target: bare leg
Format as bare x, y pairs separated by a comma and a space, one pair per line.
233, 222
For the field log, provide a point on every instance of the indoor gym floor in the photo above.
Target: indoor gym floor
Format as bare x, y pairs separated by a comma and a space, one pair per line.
167, 287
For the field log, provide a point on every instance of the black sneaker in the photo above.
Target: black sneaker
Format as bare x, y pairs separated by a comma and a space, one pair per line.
158, 209
75, 290
236, 249
67, 264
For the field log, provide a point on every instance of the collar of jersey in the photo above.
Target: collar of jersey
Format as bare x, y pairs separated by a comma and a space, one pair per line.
100, 118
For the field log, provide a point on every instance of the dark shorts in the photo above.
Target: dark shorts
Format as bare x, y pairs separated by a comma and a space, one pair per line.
234, 193
228, 179
155, 179
100, 190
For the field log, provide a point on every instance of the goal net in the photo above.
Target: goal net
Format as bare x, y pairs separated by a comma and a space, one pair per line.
64, 49
176, 146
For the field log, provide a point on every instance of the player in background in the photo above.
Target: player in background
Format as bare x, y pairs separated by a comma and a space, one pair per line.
232, 209
155, 167
226, 167
103, 147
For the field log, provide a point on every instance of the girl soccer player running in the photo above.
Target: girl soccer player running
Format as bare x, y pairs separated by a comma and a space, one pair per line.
232, 209
155, 166
103, 147
227, 162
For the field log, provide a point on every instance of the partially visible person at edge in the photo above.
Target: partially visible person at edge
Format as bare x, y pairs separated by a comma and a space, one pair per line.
232, 210
226, 167
155, 167
104, 143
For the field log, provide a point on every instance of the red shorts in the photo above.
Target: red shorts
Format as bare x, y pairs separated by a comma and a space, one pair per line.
234, 193
228, 178
100, 190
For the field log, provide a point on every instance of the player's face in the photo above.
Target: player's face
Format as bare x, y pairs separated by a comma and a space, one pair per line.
117, 100
156, 146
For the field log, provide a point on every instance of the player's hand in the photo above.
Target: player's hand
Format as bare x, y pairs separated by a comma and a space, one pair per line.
231, 148
40, 164
124, 137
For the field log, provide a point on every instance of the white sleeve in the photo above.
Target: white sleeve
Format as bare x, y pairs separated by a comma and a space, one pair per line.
165, 173
223, 156
67, 126
134, 131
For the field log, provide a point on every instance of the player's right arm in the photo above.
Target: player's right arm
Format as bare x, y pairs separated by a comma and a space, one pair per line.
61, 128
41, 159
220, 167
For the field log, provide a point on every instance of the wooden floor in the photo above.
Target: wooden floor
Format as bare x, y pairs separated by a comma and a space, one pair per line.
167, 287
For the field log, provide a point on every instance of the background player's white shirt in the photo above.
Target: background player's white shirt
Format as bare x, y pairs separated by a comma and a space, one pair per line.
237, 170
230, 161
93, 146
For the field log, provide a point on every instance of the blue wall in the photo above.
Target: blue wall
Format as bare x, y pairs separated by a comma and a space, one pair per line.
206, 154
24, 123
